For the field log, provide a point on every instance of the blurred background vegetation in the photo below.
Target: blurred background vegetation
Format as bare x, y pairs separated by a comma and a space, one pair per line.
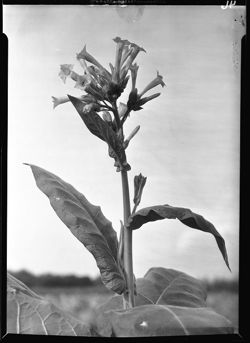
81, 295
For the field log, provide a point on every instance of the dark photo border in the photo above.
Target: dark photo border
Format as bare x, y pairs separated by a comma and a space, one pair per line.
243, 335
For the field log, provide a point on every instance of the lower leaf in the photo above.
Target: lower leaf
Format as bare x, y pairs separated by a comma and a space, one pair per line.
162, 320
28, 313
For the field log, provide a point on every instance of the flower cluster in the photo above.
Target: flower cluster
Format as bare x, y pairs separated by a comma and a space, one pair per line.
103, 87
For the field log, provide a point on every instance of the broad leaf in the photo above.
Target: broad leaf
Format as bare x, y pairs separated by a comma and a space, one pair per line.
168, 302
28, 313
98, 127
172, 287
162, 320
86, 222
164, 287
186, 216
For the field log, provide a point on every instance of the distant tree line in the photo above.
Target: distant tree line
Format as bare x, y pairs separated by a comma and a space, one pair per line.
50, 280
222, 285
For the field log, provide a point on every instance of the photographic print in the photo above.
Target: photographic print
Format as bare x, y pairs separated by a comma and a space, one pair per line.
123, 169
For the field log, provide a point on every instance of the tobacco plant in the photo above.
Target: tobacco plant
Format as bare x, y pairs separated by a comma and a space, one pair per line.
165, 301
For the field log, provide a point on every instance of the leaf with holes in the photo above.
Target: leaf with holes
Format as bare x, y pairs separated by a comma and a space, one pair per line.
86, 222
168, 302
186, 216
28, 313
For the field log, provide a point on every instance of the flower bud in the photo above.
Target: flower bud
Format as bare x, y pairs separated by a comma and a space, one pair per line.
155, 82
91, 107
139, 183
106, 116
122, 109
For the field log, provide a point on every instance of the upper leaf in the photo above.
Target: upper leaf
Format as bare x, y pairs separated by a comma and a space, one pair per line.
186, 216
94, 122
98, 127
86, 222
28, 313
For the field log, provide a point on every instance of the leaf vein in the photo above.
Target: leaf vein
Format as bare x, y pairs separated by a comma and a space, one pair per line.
165, 290
41, 318
177, 318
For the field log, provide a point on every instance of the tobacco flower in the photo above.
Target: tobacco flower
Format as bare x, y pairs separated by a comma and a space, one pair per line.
155, 82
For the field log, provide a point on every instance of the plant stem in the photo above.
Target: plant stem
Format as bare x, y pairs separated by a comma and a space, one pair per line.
116, 115
128, 260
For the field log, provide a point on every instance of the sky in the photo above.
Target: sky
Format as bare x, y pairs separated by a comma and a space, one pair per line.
187, 146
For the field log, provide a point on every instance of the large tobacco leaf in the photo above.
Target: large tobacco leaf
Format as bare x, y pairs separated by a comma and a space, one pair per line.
28, 313
185, 215
162, 320
164, 287
168, 302
86, 222
172, 287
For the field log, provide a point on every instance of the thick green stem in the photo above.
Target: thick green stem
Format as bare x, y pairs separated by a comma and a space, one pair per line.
128, 260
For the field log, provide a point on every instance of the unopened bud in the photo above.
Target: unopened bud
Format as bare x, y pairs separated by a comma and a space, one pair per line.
122, 109
91, 107
106, 116
133, 133
139, 183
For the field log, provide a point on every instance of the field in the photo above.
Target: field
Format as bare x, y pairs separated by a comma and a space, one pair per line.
80, 302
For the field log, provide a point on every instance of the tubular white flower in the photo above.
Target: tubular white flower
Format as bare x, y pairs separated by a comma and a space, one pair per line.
65, 71
135, 49
121, 43
82, 81
125, 53
86, 56
155, 82
134, 69
59, 101
63, 99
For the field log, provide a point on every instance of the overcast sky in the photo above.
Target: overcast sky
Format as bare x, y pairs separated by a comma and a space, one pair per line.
188, 144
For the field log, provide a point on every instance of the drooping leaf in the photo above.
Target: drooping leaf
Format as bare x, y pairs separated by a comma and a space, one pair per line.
28, 313
86, 222
98, 127
186, 216
162, 320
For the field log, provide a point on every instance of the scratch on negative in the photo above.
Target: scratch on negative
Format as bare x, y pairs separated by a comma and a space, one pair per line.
18, 318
